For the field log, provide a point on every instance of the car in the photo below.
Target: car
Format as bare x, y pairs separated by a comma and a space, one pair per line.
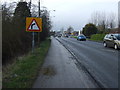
59, 35
81, 38
112, 40
66, 36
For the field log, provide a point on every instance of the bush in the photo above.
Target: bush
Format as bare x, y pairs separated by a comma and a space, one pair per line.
89, 29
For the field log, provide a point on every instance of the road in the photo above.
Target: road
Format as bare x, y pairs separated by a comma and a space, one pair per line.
60, 70
101, 62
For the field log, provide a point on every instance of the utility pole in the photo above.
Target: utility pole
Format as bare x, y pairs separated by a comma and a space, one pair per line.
39, 8
33, 41
30, 4
39, 13
119, 14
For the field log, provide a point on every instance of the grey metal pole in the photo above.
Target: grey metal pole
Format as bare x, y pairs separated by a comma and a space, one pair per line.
39, 17
33, 42
39, 8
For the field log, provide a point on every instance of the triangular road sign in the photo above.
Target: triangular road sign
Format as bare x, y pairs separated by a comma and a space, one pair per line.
33, 26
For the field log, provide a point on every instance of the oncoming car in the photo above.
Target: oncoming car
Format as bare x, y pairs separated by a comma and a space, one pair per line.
112, 40
81, 37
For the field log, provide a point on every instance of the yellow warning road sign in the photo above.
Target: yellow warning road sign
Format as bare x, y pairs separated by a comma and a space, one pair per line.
33, 24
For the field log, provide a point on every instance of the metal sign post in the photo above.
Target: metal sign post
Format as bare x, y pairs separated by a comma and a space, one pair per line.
33, 24
33, 42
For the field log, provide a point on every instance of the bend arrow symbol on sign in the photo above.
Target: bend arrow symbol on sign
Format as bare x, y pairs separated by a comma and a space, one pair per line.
34, 26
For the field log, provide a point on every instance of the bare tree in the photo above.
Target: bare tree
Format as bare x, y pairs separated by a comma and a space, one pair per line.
112, 20
34, 10
103, 20
99, 19
119, 14
94, 18
70, 30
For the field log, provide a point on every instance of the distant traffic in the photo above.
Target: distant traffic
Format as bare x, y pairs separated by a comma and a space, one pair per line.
109, 40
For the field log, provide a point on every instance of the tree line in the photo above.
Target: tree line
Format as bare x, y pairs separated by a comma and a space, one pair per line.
15, 40
100, 22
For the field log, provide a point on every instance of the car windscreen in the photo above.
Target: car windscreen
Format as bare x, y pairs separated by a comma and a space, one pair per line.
117, 36
82, 36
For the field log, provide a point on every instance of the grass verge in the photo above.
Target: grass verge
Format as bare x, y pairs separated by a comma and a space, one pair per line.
23, 72
97, 37
74, 36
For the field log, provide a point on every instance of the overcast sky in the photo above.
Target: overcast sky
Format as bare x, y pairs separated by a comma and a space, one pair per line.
75, 13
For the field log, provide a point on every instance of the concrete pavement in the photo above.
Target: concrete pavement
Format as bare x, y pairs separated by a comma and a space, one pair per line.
60, 70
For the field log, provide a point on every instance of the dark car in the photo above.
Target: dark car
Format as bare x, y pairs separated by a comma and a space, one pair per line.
81, 38
112, 40
59, 35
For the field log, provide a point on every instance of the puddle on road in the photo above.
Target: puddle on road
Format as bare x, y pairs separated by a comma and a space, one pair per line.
49, 71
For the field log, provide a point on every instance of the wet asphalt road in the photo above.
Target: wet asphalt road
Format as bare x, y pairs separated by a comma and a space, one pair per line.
101, 62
